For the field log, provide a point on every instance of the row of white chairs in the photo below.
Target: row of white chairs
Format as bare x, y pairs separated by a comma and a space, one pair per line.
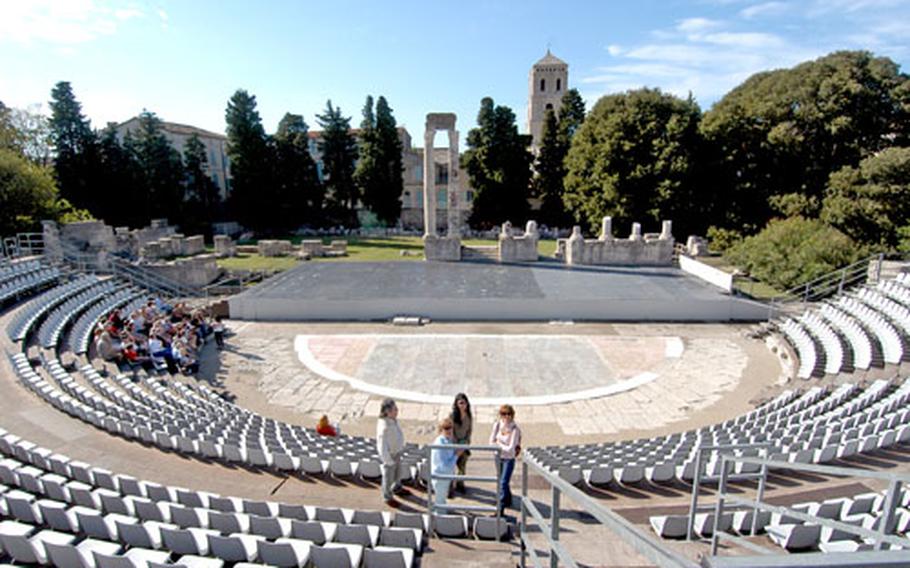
41, 305
50, 332
25, 284
80, 336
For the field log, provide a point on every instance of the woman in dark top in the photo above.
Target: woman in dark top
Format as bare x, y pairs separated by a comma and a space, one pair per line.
464, 423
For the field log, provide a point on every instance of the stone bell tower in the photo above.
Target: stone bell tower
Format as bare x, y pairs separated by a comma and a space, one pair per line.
548, 81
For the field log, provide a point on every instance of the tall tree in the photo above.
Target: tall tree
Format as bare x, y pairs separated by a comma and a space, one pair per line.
119, 186
571, 116
251, 162
162, 171
871, 203
339, 156
634, 159
498, 163
76, 159
299, 191
787, 131
549, 168
379, 168
203, 201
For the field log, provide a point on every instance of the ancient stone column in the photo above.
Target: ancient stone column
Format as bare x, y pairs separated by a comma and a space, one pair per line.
429, 183
666, 231
453, 189
575, 247
606, 229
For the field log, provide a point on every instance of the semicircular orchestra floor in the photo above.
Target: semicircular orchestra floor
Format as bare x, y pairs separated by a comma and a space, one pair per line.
567, 382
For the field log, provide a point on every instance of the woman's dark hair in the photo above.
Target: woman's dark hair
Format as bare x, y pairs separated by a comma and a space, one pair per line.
456, 414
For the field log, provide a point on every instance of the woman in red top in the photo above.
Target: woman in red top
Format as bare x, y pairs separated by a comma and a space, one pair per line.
324, 428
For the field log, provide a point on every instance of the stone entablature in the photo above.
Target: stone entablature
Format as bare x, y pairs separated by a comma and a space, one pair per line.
518, 249
174, 245
224, 246
315, 248
268, 247
637, 250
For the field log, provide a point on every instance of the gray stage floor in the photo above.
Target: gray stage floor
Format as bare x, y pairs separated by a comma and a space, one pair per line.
487, 291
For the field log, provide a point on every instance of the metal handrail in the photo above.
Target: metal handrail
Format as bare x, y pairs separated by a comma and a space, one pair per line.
880, 536
834, 282
699, 477
432, 506
642, 542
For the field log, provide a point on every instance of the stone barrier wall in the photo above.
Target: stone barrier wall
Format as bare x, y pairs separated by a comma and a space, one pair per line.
637, 250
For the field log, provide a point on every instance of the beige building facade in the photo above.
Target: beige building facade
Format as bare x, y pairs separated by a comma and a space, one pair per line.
218, 165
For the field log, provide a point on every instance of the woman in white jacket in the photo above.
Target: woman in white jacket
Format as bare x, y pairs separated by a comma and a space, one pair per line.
389, 446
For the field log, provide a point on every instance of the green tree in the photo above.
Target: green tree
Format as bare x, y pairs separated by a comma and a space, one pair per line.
498, 164
571, 115
788, 252
550, 173
26, 131
119, 187
379, 168
871, 203
76, 159
339, 156
251, 162
388, 203
28, 193
203, 201
162, 171
634, 159
786, 131
300, 193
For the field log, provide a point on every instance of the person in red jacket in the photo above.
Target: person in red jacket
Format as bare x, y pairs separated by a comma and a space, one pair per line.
324, 428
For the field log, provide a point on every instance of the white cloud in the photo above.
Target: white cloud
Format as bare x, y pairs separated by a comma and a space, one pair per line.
62, 22
697, 25
763, 10
699, 55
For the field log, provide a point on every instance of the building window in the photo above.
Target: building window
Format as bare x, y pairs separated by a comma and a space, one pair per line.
418, 173
543, 85
469, 196
442, 201
442, 173
419, 195
319, 173
549, 106
558, 84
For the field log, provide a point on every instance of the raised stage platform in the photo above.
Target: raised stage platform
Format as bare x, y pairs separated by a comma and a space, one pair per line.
481, 291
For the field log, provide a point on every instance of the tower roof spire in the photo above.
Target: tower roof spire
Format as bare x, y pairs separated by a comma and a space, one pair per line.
550, 59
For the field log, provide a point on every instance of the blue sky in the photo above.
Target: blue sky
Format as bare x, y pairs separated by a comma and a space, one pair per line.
183, 60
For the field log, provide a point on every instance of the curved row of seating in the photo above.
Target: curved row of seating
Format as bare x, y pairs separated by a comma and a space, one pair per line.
27, 283
793, 534
55, 323
10, 270
39, 307
54, 501
80, 336
860, 329
817, 427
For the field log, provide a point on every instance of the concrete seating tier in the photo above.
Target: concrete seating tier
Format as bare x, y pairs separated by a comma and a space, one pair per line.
40, 306
811, 359
816, 427
12, 270
862, 510
50, 333
835, 357
26, 283
80, 336
59, 510
174, 417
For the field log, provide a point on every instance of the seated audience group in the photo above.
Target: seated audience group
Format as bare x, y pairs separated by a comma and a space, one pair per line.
155, 334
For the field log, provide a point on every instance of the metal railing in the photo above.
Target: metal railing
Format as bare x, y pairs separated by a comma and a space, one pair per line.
145, 278
699, 476
642, 542
884, 533
433, 506
22, 244
827, 285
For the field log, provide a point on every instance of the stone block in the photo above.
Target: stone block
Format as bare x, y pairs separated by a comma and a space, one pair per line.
194, 245
339, 246
442, 248
312, 247
275, 248
224, 246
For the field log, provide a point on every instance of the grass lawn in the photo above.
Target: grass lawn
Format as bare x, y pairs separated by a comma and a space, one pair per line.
367, 249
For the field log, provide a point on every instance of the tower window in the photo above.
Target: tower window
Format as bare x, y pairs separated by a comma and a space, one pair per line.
558, 84
549, 106
543, 84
